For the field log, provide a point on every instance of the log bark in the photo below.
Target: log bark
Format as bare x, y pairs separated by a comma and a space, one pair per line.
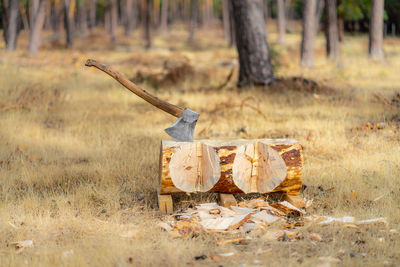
261, 174
376, 29
308, 36
332, 31
251, 44
36, 28
281, 21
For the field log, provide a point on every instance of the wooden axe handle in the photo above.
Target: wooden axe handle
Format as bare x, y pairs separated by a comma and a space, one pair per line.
167, 107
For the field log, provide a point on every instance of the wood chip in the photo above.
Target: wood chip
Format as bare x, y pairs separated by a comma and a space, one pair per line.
315, 237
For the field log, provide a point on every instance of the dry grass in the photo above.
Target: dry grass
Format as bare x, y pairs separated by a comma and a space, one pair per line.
79, 154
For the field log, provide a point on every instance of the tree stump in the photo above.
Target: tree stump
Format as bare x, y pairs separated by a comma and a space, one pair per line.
231, 166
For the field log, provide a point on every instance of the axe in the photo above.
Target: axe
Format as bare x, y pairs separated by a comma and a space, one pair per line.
182, 129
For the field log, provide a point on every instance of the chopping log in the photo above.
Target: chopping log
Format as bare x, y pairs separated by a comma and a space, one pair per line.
262, 165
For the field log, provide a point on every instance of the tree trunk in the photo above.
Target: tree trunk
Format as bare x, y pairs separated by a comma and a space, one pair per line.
281, 21
4, 18
36, 28
227, 166
251, 44
226, 20
69, 10
32, 11
331, 32
308, 36
82, 17
376, 29
147, 22
232, 39
193, 20
56, 19
24, 16
164, 16
127, 16
113, 20
12, 26
92, 14
318, 14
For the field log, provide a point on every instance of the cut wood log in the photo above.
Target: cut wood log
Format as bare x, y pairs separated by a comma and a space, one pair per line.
165, 204
258, 168
274, 165
194, 167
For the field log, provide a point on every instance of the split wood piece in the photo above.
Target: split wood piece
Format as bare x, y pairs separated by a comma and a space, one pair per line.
227, 200
194, 167
165, 204
288, 149
258, 168
296, 200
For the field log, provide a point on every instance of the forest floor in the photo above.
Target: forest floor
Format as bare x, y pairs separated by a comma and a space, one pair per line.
79, 153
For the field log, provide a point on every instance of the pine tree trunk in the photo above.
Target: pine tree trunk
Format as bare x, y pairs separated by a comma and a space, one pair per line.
82, 17
113, 20
281, 21
318, 14
92, 14
147, 23
164, 16
34, 4
4, 18
226, 20
193, 20
56, 19
251, 44
24, 16
331, 32
69, 10
232, 39
36, 28
12, 26
376, 30
308, 36
127, 16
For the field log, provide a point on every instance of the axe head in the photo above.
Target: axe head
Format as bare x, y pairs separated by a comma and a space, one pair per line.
183, 128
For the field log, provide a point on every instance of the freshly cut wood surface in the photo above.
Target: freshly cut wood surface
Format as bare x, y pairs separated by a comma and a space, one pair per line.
258, 168
227, 150
194, 167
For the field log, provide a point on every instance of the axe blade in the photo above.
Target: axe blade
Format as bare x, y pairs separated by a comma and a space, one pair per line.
183, 128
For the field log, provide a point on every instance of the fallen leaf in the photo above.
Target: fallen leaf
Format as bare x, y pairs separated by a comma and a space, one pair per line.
353, 195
